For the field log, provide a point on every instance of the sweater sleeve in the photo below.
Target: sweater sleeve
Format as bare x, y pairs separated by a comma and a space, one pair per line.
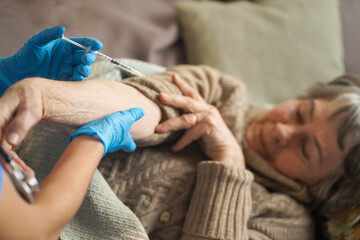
215, 87
221, 203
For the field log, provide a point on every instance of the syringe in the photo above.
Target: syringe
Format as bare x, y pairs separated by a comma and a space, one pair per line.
122, 66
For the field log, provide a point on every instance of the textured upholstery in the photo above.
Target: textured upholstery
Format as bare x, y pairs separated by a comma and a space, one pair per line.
147, 29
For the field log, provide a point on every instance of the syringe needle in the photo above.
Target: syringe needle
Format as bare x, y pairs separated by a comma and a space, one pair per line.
122, 66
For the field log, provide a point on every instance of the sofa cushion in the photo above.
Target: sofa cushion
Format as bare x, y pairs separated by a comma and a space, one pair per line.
276, 47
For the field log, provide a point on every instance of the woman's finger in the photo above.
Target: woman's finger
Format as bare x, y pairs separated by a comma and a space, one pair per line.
8, 106
185, 121
27, 115
186, 89
190, 135
183, 102
20, 109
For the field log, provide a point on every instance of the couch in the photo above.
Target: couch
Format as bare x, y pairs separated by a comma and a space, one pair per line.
149, 30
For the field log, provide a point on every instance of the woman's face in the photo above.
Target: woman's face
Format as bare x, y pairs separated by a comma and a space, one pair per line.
298, 139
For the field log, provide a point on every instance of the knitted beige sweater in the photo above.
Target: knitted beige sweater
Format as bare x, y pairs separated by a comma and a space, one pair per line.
185, 196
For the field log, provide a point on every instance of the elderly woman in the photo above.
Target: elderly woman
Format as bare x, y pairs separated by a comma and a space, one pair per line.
262, 167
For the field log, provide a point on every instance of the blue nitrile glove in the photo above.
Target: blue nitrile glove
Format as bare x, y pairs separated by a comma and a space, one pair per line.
113, 130
46, 55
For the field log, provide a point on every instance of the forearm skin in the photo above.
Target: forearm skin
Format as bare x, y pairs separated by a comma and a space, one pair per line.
77, 103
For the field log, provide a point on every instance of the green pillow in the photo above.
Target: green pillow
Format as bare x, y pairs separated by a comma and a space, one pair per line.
277, 47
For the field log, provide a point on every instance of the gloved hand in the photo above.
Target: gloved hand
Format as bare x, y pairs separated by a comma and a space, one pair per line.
46, 55
113, 130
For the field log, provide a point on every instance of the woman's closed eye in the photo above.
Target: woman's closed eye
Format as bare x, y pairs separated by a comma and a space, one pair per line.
309, 150
299, 117
303, 151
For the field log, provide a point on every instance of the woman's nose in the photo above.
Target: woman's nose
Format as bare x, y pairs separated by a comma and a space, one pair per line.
283, 133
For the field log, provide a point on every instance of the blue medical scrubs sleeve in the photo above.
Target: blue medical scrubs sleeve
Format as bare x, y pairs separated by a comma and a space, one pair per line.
6, 77
1, 179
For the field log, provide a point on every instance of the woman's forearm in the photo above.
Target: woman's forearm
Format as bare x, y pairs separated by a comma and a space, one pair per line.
79, 102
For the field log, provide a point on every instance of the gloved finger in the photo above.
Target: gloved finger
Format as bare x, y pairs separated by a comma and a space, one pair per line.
87, 42
49, 34
65, 73
84, 70
130, 146
135, 113
76, 77
65, 76
88, 58
79, 57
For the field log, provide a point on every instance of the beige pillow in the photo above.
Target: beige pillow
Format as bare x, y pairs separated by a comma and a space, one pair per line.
278, 47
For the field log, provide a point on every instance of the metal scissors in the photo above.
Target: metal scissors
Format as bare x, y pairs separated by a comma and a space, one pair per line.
26, 185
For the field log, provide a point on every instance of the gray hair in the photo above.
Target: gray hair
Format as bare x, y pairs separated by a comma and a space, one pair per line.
341, 190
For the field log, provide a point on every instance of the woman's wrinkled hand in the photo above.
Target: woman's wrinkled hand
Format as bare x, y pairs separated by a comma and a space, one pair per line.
21, 107
202, 122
